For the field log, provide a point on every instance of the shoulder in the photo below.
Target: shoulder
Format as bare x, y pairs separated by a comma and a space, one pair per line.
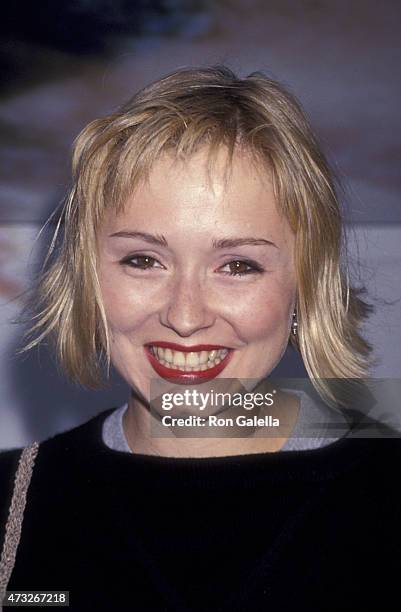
384, 456
83, 438
382, 442
54, 454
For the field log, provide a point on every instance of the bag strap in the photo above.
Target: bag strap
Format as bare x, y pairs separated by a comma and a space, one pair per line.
16, 515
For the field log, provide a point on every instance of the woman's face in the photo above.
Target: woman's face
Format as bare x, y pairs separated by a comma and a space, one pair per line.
197, 274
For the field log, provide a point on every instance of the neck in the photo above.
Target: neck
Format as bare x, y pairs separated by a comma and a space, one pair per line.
237, 433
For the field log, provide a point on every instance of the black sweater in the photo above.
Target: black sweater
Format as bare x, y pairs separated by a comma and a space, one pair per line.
298, 530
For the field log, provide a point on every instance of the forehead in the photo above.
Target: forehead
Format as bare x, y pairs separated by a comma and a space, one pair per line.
209, 171
203, 194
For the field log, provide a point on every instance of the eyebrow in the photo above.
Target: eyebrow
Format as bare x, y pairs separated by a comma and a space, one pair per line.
226, 243
223, 243
151, 238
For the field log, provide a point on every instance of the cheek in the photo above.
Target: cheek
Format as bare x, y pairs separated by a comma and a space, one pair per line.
263, 312
124, 305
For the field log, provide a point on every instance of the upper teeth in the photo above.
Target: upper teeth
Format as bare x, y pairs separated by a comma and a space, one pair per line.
191, 361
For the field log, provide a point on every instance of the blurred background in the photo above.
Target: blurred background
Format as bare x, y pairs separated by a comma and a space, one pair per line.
64, 63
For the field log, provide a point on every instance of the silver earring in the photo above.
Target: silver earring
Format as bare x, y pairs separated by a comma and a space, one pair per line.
294, 324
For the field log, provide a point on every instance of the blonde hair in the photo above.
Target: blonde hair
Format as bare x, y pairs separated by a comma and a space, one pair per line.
178, 114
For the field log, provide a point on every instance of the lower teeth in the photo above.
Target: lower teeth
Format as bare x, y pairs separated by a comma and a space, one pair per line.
199, 368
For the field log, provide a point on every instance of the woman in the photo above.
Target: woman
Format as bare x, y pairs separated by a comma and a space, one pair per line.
201, 235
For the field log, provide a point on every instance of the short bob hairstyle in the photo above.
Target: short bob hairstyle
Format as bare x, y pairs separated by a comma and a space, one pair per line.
188, 109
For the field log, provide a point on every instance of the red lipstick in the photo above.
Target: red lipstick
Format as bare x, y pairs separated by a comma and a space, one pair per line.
181, 376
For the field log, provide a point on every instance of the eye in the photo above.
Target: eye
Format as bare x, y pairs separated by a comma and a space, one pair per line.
142, 262
240, 267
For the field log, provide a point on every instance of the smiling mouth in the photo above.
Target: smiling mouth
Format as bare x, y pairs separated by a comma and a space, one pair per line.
187, 364
193, 361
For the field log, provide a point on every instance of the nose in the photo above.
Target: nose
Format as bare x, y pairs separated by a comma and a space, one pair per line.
187, 310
